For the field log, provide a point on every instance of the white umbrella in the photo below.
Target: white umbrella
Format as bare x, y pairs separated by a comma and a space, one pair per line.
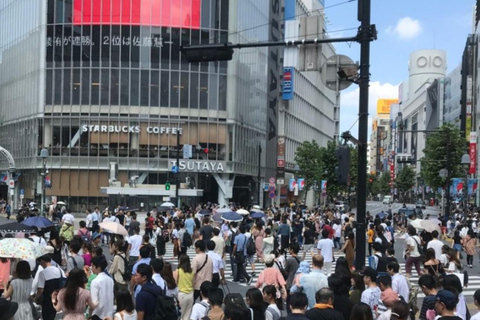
243, 212
114, 227
61, 203
429, 226
224, 210
167, 204
417, 223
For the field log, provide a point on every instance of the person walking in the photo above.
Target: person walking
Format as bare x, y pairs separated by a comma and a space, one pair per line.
469, 244
118, 267
325, 248
240, 252
349, 248
73, 299
315, 280
48, 281
101, 289
202, 267
19, 290
412, 253
258, 235
184, 276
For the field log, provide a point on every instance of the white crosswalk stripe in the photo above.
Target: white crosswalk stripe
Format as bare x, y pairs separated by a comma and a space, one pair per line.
473, 282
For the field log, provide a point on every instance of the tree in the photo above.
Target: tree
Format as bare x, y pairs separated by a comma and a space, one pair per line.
353, 167
405, 179
382, 184
329, 163
447, 138
308, 158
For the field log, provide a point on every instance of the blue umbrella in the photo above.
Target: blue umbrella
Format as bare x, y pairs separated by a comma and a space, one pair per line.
382, 215
205, 212
232, 216
39, 222
257, 214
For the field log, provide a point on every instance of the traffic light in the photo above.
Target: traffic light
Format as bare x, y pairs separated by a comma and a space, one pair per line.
208, 54
343, 169
167, 185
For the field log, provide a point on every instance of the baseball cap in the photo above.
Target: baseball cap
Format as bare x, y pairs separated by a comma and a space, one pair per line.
369, 272
447, 297
95, 235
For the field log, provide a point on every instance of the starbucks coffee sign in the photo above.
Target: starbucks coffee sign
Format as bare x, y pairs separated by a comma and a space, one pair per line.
131, 129
198, 166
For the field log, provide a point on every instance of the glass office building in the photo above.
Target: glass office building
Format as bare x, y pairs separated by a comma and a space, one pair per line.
103, 86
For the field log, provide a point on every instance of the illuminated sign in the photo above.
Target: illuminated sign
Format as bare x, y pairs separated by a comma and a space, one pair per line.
199, 166
161, 13
130, 129
383, 105
287, 92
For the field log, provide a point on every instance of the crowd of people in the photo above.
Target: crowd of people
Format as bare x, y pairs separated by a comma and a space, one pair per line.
93, 273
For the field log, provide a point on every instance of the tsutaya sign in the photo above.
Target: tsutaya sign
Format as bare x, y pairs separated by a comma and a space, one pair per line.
131, 129
199, 166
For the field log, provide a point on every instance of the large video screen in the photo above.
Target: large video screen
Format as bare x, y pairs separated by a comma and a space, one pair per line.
161, 13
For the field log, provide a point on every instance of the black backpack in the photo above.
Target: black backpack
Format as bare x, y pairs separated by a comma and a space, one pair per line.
250, 246
187, 240
127, 274
166, 307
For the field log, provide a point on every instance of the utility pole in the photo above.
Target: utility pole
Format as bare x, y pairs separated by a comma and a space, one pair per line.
177, 182
366, 34
259, 173
449, 175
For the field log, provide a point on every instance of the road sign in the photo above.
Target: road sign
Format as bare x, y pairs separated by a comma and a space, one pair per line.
271, 195
271, 180
22, 191
271, 188
175, 169
187, 151
22, 196
281, 163
11, 183
443, 173
281, 181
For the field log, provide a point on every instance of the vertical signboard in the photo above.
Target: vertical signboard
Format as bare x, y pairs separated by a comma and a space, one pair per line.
281, 161
287, 90
473, 152
468, 120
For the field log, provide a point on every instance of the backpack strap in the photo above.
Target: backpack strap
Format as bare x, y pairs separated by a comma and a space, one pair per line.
275, 314
74, 261
203, 265
207, 307
251, 313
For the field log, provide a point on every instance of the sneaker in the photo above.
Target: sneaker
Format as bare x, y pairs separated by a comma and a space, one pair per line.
253, 274
250, 281
471, 266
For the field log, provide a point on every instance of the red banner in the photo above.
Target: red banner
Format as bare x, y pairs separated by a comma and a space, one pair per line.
159, 13
473, 153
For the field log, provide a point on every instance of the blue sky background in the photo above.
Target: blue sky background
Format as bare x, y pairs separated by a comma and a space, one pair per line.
403, 27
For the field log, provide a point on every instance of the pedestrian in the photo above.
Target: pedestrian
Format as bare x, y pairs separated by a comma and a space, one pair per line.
476, 301
469, 245
315, 280
412, 252
357, 288
149, 220
370, 238
144, 259
184, 277
119, 267
309, 236
258, 235
454, 265
146, 298
399, 282
215, 300
445, 305
133, 223
48, 282
125, 307
274, 301
240, 252
167, 274
304, 268
101, 289
201, 308
371, 295
323, 309
202, 267
268, 242
361, 311
218, 275
349, 249
73, 299
341, 299
325, 248
400, 310
284, 233
432, 265
337, 228
271, 276
428, 285
19, 291
452, 282
435, 244
254, 300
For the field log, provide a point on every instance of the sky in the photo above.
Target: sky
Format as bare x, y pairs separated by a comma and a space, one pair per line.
403, 27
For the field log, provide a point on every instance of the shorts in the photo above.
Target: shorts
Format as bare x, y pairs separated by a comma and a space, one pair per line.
307, 247
250, 259
457, 247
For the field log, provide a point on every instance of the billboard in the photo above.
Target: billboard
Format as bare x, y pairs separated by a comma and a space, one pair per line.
383, 105
159, 13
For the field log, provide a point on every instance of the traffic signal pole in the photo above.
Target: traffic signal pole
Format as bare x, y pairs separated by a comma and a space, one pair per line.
366, 33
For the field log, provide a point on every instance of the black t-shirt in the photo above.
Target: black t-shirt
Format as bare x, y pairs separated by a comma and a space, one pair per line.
309, 236
206, 232
450, 318
121, 218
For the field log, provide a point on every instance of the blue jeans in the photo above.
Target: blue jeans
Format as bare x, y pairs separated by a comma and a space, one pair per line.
300, 240
336, 241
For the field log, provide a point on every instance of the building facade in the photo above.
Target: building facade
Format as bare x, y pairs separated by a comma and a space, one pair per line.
104, 87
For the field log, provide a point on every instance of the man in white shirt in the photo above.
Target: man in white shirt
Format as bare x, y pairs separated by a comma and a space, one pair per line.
218, 269
68, 217
35, 238
325, 248
435, 244
399, 282
101, 289
135, 242
219, 243
201, 309
89, 219
157, 266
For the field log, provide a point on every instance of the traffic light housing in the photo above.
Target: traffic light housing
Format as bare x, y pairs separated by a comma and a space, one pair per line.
167, 185
343, 169
208, 54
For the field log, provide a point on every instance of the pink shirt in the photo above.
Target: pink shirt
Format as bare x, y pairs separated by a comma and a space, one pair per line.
270, 276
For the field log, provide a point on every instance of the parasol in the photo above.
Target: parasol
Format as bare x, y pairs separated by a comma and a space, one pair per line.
21, 248
39, 222
114, 227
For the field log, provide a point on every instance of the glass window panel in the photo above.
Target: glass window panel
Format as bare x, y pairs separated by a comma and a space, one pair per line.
222, 97
95, 87
76, 87
203, 91
125, 87
175, 49
154, 88
144, 86
194, 90
164, 87
105, 44
114, 86
67, 86
174, 89
115, 43
85, 88
105, 90
134, 87
184, 90
49, 87
125, 44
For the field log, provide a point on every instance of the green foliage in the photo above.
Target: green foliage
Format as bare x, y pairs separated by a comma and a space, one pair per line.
308, 157
353, 166
329, 163
405, 179
448, 137
381, 185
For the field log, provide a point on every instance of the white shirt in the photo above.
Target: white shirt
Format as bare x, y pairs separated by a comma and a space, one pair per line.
400, 285
338, 230
385, 315
39, 240
216, 260
325, 246
199, 310
157, 278
102, 293
411, 242
89, 220
68, 217
135, 242
436, 245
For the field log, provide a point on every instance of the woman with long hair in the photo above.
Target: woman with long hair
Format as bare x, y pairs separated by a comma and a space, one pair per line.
258, 235
454, 264
349, 249
184, 277
254, 300
73, 298
125, 307
118, 267
432, 265
470, 244
19, 290
358, 286
273, 298
400, 310
167, 275
361, 311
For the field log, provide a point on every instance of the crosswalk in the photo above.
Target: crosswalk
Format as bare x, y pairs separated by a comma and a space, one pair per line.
473, 283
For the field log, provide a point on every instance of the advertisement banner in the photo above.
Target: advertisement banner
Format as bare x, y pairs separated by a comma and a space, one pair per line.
324, 186
291, 184
456, 187
472, 187
473, 153
301, 184
287, 90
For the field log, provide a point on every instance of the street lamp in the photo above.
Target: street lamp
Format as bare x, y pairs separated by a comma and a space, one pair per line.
44, 155
466, 164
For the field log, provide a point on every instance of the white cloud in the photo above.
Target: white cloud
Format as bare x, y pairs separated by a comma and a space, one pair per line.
406, 28
349, 104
